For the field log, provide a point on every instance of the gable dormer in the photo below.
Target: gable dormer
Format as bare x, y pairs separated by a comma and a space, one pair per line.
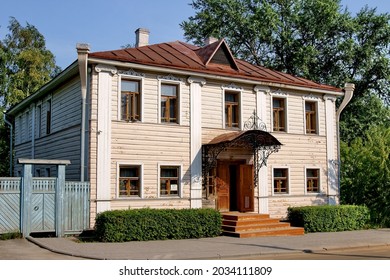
217, 53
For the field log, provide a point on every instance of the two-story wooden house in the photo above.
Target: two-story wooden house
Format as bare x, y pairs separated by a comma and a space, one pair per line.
173, 125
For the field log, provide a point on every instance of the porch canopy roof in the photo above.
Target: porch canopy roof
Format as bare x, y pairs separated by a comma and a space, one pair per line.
249, 138
260, 142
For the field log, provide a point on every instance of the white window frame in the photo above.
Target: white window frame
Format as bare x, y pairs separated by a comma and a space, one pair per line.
281, 95
120, 164
288, 180
131, 76
180, 183
170, 80
239, 90
315, 99
38, 119
319, 180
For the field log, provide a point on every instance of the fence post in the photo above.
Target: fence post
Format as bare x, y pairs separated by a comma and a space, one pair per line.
60, 188
25, 200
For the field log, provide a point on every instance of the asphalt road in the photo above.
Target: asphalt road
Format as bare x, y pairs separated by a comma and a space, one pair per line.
22, 249
364, 253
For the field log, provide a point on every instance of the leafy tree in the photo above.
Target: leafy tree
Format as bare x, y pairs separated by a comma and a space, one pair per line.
25, 66
309, 38
25, 62
365, 173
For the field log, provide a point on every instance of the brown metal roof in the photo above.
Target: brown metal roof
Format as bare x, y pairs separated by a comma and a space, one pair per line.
182, 56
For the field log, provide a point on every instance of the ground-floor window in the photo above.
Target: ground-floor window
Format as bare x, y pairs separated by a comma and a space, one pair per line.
129, 181
312, 180
280, 180
169, 180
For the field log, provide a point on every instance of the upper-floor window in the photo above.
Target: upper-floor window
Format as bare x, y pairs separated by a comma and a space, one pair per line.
312, 180
279, 114
129, 181
169, 180
48, 116
311, 117
281, 181
130, 100
232, 112
169, 103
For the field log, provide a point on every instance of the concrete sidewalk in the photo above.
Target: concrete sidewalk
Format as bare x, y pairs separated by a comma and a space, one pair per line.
222, 247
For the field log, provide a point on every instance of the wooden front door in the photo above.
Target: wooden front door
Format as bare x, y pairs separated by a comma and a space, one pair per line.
222, 187
234, 187
246, 189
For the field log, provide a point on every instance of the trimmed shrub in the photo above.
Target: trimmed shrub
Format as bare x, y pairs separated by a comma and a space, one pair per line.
157, 224
329, 218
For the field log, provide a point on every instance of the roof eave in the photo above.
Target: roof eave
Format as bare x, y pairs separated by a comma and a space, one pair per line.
69, 72
219, 76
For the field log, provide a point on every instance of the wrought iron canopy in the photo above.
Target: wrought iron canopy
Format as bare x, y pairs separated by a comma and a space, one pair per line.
260, 142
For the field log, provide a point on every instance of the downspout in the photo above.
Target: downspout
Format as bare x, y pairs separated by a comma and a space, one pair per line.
10, 144
82, 55
348, 94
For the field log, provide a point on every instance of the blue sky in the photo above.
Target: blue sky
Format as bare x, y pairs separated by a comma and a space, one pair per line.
108, 25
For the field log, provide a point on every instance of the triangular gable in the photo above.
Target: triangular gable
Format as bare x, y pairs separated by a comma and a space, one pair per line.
217, 53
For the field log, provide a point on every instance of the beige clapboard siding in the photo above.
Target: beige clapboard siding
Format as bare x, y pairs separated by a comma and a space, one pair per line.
248, 104
212, 111
278, 205
150, 145
149, 203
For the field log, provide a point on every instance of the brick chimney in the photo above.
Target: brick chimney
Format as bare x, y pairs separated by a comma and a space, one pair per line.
141, 37
210, 40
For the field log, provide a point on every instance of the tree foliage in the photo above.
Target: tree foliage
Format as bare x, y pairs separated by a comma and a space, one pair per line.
365, 173
25, 66
314, 39
25, 63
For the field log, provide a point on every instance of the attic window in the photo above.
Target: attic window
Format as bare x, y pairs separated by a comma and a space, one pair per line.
220, 57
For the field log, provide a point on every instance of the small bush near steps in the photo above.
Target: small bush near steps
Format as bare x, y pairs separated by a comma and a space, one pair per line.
157, 224
329, 218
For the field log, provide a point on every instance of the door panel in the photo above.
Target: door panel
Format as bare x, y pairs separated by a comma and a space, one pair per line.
246, 189
222, 186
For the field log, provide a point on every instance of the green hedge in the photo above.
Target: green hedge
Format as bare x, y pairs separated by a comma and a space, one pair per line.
329, 218
157, 224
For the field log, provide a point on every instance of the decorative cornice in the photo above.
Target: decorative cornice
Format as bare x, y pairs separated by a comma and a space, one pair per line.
131, 72
278, 92
170, 78
232, 86
263, 89
311, 97
106, 68
329, 97
193, 79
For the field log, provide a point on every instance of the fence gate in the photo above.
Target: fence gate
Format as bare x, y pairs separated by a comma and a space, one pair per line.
30, 205
43, 204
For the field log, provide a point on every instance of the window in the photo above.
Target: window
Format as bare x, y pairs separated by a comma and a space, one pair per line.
312, 180
48, 116
280, 180
311, 117
130, 100
129, 181
279, 114
169, 103
232, 113
169, 181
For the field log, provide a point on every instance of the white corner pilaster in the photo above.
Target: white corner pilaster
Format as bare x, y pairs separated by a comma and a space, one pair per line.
196, 140
261, 108
331, 144
103, 175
